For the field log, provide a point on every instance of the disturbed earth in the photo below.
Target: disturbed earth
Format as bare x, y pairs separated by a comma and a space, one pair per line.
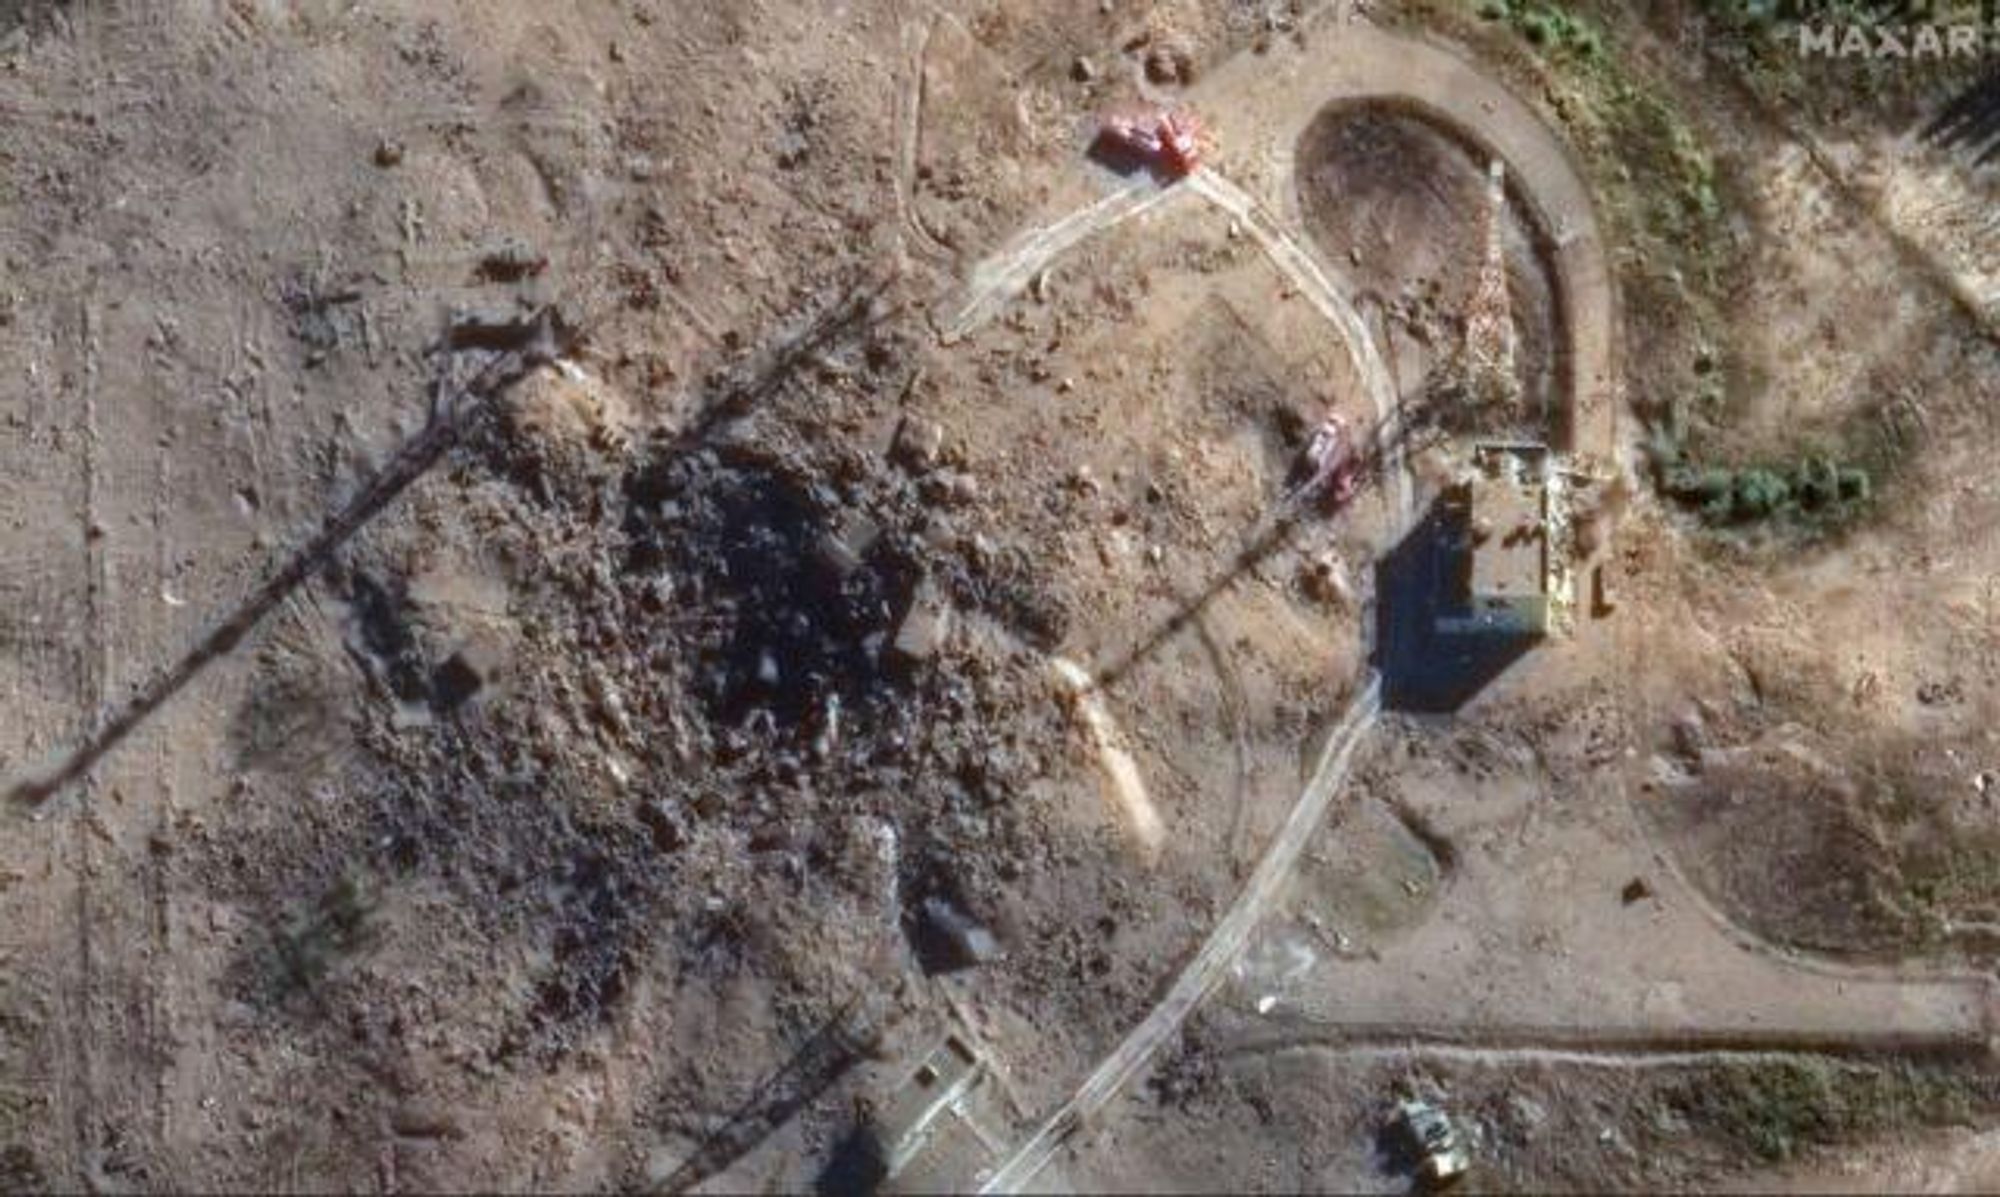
713, 596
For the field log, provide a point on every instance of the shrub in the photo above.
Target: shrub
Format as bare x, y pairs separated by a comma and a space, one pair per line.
1761, 494
1816, 486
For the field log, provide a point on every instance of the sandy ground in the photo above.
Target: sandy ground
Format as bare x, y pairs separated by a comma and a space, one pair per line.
598, 813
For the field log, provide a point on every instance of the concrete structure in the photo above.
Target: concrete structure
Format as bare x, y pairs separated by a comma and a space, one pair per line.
1517, 582
927, 1127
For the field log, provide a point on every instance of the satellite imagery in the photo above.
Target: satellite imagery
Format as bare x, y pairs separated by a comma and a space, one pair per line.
997, 596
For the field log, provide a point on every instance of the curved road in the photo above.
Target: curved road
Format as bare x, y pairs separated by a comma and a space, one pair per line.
1260, 106
1270, 103
1306, 273
1208, 965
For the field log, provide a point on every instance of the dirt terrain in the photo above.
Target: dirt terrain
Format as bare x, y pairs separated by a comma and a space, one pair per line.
596, 596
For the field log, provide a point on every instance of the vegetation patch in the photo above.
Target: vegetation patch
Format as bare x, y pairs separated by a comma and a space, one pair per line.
1816, 489
22, 1102
20, 1172
1665, 201
1548, 26
1777, 1109
1662, 195
1779, 49
1952, 885
1656, 171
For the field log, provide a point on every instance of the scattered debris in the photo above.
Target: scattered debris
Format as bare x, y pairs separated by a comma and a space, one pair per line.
1169, 64
664, 823
799, 602
511, 260
538, 334
925, 627
950, 940
919, 443
846, 544
424, 1120
1690, 733
951, 488
1324, 578
1941, 693
455, 681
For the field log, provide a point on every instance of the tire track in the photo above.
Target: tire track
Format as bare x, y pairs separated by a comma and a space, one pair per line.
1504, 1043
1297, 265
1609, 1056
1211, 962
1234, 707
94, 670
1003, 276
416, 458
910, 100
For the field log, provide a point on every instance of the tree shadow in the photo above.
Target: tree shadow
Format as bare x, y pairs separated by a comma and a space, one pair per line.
1970, 123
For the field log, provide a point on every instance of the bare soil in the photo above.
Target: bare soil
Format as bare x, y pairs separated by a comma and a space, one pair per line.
1404, 200
633, 797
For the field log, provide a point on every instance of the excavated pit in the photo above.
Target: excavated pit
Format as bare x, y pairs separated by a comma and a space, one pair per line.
1399, 199
798, 599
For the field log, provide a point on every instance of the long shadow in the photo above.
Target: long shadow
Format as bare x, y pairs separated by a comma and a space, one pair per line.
517, 351
537, 342
855, 1168
1420, 581
1416, 429
543, 340
826, 1056
1262, 545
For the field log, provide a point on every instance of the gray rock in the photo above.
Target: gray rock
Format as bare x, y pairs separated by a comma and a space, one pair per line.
424, 1120
845, 546
964, 942
919, 443
664, 823
926, 627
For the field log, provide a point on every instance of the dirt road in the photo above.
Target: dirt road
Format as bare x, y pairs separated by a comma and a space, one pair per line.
1004, 275
1305, 273
1260, 107
1210, 963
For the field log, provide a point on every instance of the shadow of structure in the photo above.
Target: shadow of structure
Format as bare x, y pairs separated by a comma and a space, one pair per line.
855, 1168
1434, 649
1417, 430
